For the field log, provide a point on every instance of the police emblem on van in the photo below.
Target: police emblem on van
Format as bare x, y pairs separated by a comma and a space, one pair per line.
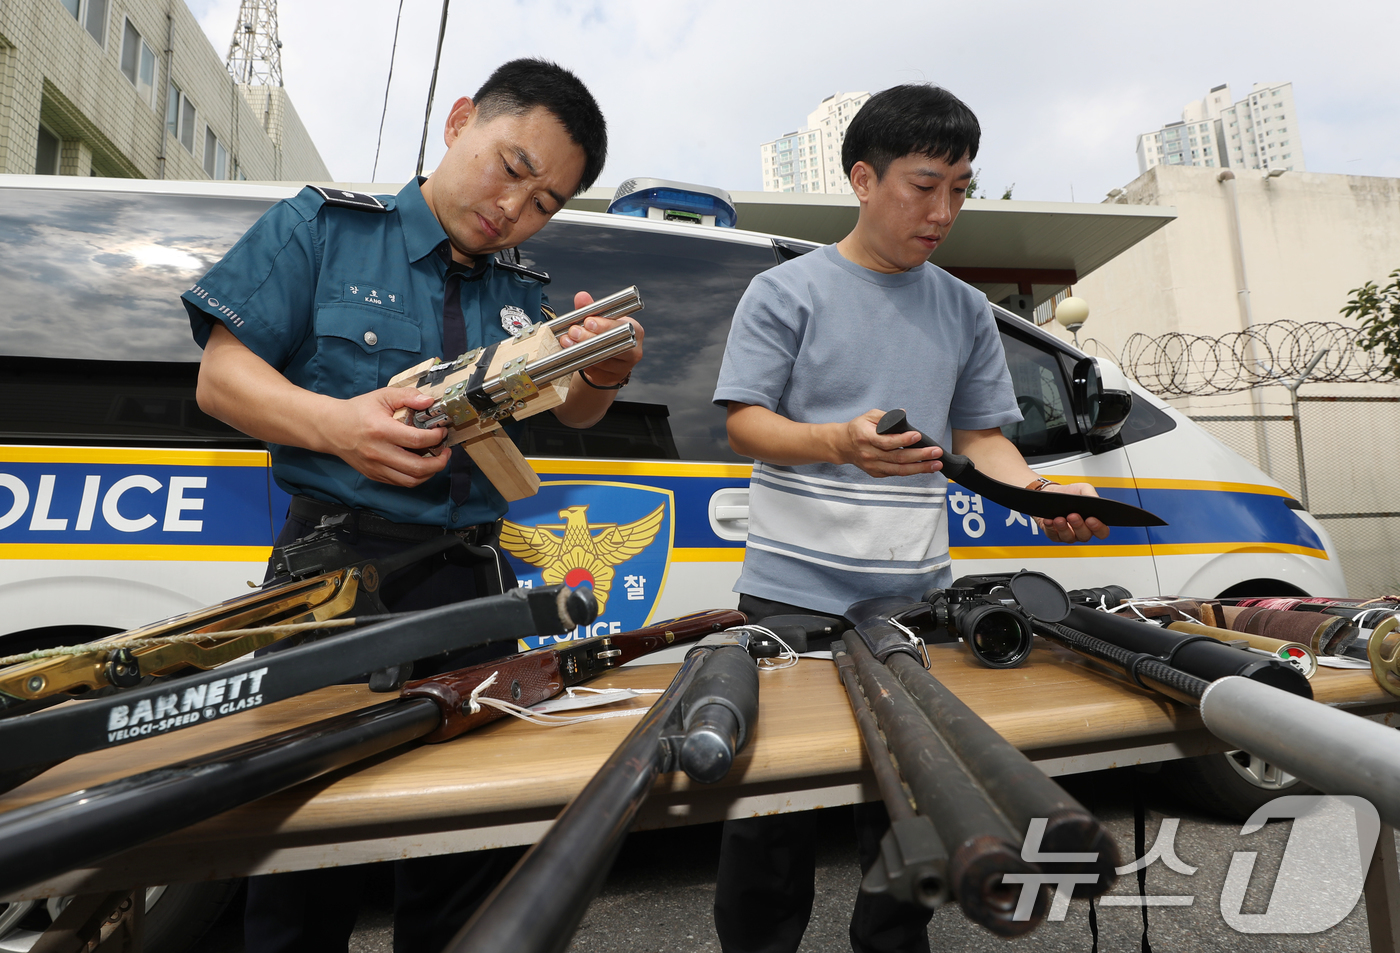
614, 538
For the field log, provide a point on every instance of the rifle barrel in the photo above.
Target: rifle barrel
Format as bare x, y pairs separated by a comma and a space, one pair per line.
616, 305
45, 839
1022, 791
981, 843
537, 908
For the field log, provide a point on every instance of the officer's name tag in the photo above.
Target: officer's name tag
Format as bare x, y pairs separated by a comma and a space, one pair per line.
365, 292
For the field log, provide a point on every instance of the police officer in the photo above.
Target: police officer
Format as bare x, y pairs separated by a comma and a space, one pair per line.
303, 323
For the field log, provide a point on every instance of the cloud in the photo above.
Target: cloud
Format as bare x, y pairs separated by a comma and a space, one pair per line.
692, 88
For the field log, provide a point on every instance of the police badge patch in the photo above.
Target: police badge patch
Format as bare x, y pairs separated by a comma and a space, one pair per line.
514, 321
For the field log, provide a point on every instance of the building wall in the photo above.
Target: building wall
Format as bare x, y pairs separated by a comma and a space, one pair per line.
52, 71
1308, 239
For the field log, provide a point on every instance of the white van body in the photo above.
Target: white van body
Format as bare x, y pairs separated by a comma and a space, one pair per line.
121, 504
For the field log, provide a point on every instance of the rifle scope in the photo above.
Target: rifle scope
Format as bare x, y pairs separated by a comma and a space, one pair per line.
999, 635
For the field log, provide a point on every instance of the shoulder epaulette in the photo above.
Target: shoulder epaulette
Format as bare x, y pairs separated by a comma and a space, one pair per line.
540, 276
343, 198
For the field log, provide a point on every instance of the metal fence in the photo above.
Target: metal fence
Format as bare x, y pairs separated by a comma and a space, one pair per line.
1333, 454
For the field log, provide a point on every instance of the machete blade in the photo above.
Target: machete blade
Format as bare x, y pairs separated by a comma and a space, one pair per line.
963, 471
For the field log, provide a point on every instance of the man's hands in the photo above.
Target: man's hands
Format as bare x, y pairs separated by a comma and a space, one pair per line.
883, 455
586, 405
362, 431
1073, 528
244, 391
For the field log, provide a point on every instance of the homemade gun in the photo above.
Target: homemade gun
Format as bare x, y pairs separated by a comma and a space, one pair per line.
512, 379
41, 840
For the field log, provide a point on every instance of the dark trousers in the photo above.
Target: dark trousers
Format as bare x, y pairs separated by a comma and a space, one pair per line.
767, 873
313, 911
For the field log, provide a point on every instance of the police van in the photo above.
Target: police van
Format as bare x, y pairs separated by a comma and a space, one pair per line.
121, 502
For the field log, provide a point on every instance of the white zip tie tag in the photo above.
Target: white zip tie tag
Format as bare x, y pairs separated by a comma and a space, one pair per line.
543, 713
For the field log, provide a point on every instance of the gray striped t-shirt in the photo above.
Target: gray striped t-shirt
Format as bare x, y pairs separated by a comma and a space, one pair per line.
820, 339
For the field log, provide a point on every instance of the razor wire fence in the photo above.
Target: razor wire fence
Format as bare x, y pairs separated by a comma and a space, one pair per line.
1330, 451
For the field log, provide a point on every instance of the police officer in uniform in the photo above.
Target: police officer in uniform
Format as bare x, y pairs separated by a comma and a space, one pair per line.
329, 295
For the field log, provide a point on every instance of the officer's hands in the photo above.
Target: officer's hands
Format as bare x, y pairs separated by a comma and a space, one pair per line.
882, 455
1073, 528
363, 432
614, 369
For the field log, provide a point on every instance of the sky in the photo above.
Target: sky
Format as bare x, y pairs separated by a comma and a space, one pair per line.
691, 89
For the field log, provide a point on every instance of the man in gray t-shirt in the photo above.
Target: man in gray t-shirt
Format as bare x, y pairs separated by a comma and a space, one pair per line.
820, 348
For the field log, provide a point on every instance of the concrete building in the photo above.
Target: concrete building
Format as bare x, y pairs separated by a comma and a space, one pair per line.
134, 89
809, 159
1257, 132
1302, 241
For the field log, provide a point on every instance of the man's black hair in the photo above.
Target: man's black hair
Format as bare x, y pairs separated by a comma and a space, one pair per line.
517, 87
915, 119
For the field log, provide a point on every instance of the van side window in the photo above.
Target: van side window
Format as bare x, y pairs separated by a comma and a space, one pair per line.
1043, 399
90, 287
690, 287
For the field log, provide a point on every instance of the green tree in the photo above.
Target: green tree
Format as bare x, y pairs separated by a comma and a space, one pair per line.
972, 184
1379, 312
1006, 195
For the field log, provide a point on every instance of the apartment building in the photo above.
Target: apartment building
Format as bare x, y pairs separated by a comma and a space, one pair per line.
809, 159
1259, 131
134, 89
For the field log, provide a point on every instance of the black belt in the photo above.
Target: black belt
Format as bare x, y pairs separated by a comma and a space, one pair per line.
371, 524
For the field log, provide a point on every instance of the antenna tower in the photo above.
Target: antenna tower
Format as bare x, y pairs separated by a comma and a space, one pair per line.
255, 53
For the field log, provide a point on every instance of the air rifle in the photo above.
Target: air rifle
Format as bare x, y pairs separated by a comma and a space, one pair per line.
34, 742
971, 796
42, 840
1267, 711
512, 379
698, 724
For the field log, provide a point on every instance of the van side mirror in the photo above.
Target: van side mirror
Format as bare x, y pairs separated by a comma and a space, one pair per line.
1099, 411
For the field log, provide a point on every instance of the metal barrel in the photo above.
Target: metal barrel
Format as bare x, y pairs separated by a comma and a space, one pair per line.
1200, 656
619, 304
910, 868
1302, 657
1022, 791
1147, 670
718, 712
537, 908
1335, 752
983, 847
45, 839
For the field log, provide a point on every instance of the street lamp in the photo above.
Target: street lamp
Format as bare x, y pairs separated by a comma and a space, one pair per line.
1072, 313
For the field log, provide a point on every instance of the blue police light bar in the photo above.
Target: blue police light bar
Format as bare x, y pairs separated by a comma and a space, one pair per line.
667, 201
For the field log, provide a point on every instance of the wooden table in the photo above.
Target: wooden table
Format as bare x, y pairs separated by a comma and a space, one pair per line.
504, 784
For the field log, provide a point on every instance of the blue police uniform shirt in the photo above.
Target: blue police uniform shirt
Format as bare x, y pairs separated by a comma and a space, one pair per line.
341, 299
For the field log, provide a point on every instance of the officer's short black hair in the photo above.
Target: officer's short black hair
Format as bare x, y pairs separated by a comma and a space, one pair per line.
914, 119
520, 85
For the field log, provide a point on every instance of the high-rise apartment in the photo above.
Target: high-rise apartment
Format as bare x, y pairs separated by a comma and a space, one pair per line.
809, 160
1257, 132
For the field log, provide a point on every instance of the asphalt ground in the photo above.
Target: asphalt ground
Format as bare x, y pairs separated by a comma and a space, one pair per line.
660, 893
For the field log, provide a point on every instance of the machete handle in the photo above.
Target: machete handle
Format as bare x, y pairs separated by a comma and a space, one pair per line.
895, 422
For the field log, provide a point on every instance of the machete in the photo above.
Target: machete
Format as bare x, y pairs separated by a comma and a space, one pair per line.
32, 743
963, 471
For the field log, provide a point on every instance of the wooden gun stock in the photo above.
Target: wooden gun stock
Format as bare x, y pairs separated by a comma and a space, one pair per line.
532, 677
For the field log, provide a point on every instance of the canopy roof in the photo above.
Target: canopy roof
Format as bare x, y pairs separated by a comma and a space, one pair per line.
1002, 247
